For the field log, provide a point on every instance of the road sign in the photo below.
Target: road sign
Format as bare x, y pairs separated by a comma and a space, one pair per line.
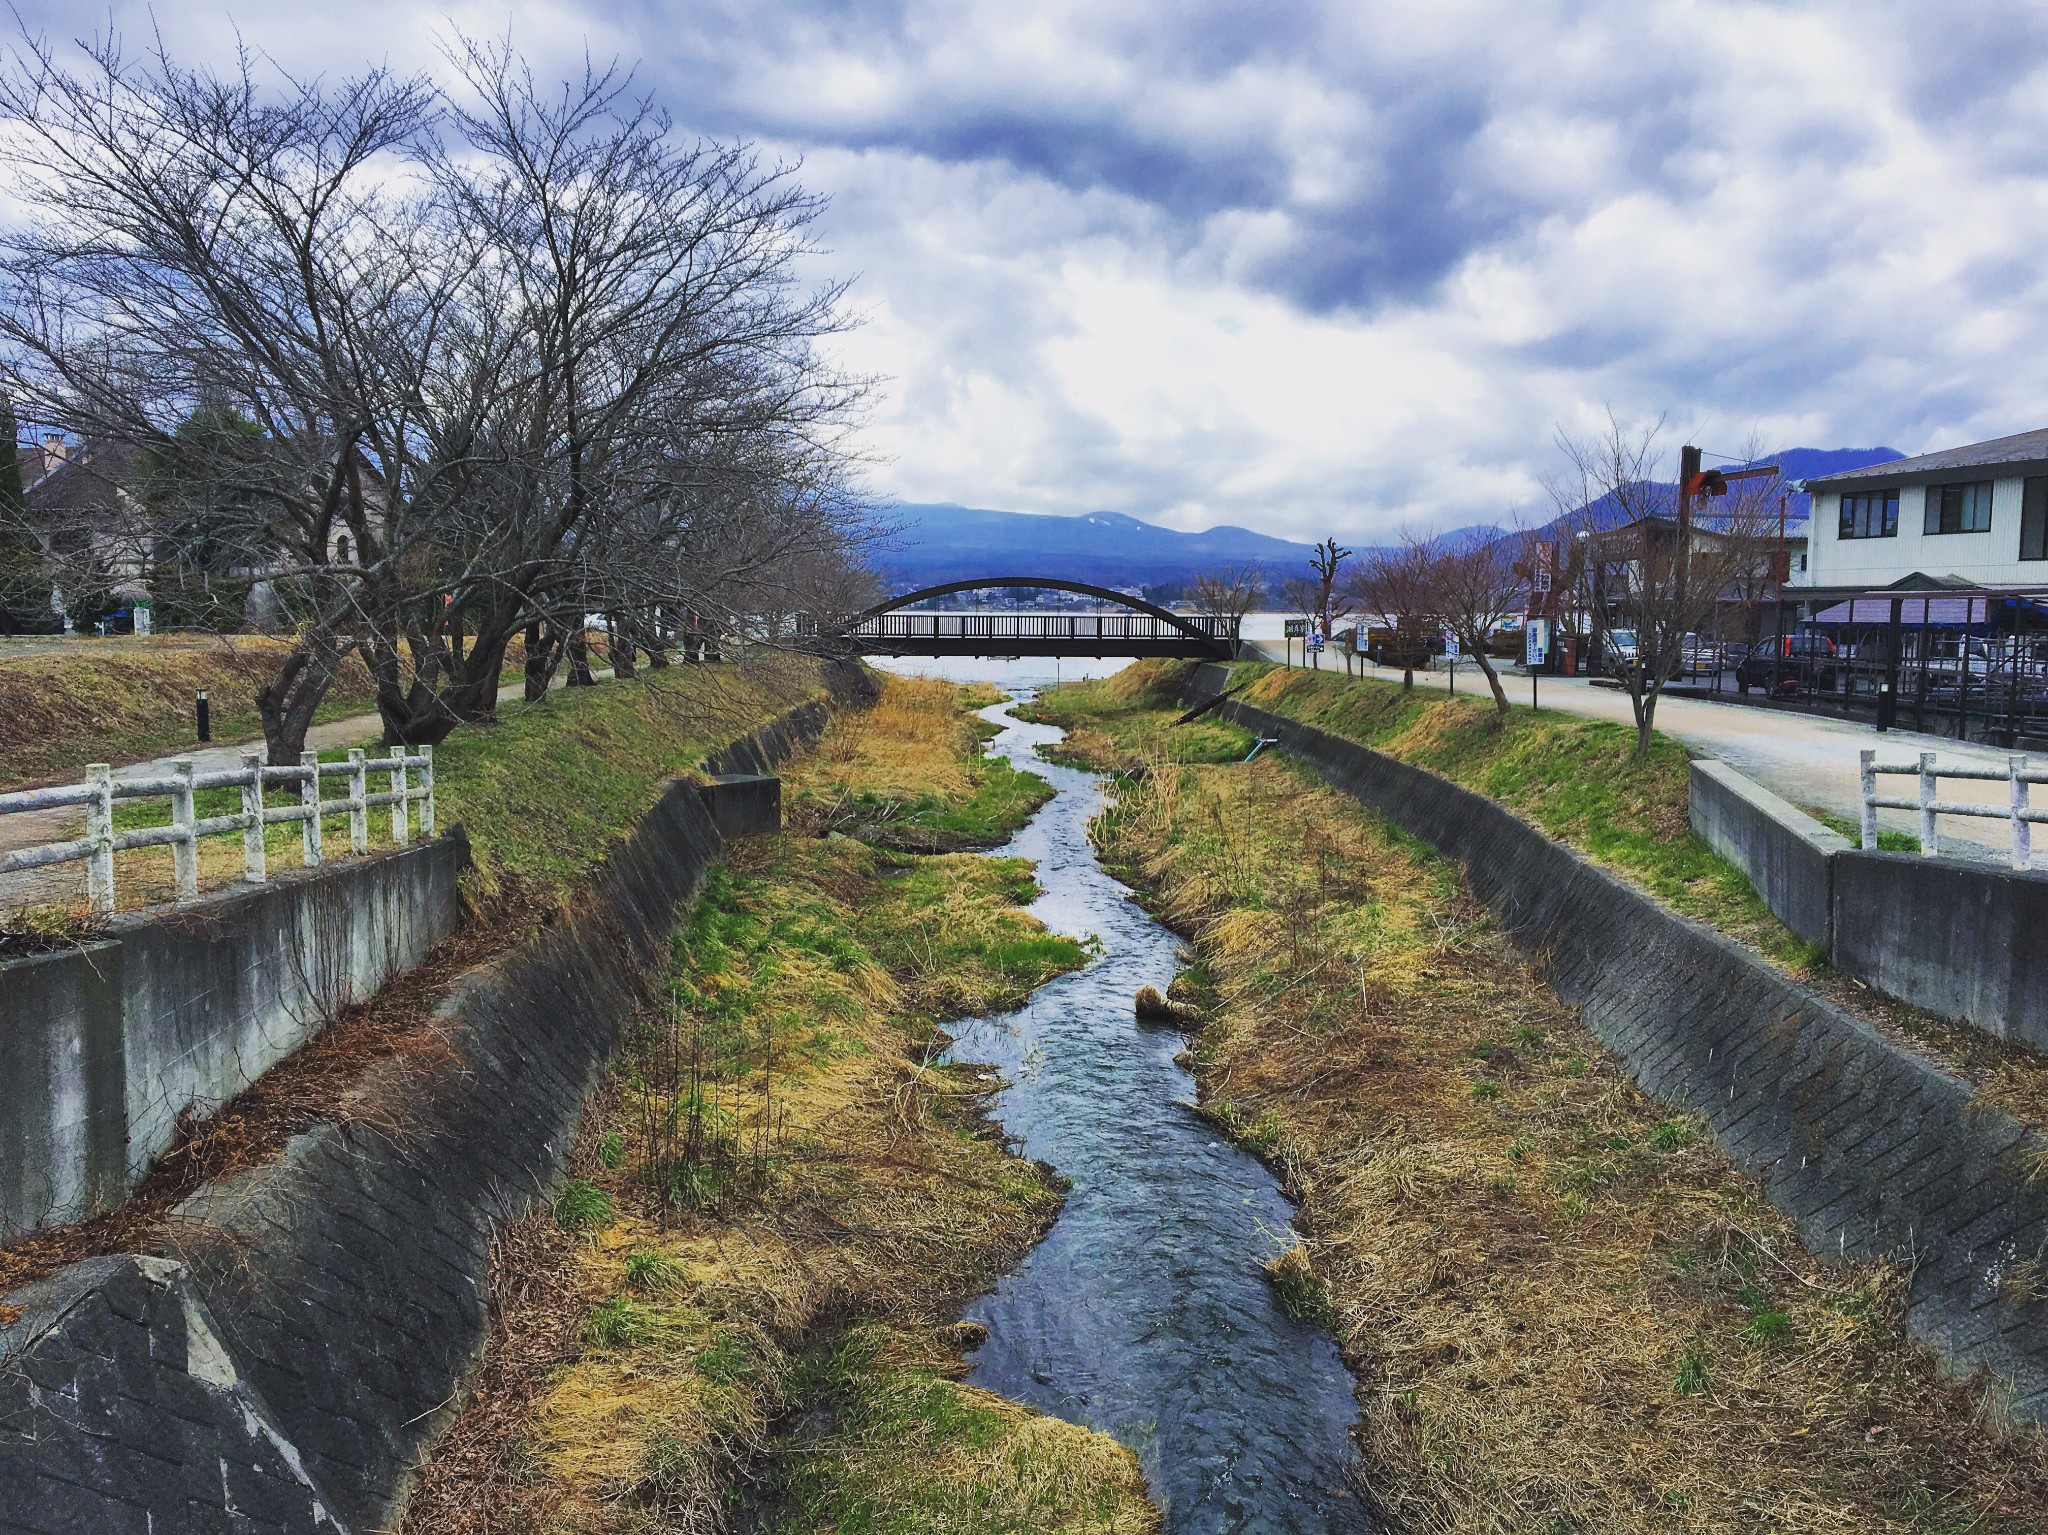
1297, 628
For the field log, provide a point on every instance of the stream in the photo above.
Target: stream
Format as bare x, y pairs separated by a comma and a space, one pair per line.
1144, 1312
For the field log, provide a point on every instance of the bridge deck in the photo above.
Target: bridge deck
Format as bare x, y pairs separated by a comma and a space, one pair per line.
1044, 634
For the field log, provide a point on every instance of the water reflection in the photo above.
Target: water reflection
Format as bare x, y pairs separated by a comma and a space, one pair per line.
1144, 1311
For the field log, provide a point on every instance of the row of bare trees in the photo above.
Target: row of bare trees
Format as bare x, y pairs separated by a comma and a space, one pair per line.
1624, 556
440, 361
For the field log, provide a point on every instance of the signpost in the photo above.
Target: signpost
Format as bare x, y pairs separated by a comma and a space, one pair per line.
1297, 629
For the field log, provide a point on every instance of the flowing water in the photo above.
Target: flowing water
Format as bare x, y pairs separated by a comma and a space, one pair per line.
1145, 1312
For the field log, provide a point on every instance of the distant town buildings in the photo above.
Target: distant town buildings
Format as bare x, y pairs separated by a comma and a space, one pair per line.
1972, 516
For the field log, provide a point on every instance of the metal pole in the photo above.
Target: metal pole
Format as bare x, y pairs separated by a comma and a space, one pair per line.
202, 713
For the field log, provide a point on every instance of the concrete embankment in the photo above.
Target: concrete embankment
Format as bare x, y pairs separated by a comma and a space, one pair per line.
1869, 1148
287, 1367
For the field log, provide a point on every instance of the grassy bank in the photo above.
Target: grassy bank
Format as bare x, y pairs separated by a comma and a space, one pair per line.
122, 700
1567, 1309
1579, 780
780, 1200
909, 774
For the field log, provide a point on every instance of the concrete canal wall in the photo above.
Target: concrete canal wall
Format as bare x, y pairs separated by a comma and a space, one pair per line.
288, 1368
1871, 1149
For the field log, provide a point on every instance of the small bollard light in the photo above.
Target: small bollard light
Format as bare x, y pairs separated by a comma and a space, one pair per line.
202, 713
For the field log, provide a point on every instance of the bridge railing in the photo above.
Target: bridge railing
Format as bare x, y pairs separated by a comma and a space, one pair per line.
1039, 626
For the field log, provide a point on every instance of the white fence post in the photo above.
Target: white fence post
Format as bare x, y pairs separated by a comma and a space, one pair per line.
309, 801
358, 810
401, 812
427, 785
99, 831
1869, 801
185, 817
255, 866
1930, 840
2022, 833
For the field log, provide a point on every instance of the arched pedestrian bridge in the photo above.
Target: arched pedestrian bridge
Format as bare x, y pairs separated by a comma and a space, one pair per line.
1128, 626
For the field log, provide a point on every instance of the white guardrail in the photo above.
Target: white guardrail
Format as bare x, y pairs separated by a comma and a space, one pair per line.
255, 778
2017, 772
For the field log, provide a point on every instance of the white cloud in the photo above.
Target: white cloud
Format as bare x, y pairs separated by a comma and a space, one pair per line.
1333, 267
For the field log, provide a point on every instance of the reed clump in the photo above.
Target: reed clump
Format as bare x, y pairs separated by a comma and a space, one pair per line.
1566, 1308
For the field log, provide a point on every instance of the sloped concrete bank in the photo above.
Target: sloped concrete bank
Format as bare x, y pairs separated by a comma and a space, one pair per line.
287, 1369
1872, 1150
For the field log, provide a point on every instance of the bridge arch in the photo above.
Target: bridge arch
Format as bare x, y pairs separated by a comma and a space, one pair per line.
1188, 636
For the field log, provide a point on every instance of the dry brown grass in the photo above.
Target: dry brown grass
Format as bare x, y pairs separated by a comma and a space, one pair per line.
1567, 1309
640, 1366
123, 700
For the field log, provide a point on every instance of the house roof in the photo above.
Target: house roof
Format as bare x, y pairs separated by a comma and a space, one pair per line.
2020, 448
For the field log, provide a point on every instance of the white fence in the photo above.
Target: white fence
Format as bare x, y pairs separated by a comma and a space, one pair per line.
1928, 802
410, 780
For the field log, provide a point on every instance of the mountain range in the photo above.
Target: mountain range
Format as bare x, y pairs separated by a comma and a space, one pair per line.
935, 542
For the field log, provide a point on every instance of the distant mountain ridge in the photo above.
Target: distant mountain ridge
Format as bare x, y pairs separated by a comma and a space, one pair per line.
935, 542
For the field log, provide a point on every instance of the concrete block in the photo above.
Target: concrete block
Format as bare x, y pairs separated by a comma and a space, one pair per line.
744, 804
1785, 852
63, 1080
1959, 938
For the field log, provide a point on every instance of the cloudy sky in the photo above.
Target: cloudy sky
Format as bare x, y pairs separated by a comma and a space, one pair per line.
1347, 267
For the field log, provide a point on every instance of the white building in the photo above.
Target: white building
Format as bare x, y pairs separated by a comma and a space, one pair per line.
1977, 513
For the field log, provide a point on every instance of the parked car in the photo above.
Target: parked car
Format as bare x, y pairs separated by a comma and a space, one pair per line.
1794, 658
1617, 650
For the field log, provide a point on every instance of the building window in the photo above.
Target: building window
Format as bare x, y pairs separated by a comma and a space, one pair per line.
2034, 521
1959, 508
1870, 514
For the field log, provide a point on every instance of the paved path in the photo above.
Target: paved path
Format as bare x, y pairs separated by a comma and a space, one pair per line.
1810, 760
65, 882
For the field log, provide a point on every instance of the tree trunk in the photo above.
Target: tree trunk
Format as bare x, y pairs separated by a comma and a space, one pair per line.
543, 653
578, 648
1500, 694
287, 702
619, 644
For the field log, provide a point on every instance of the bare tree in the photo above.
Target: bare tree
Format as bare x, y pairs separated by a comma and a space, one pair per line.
1393, 583
1227, 593
426, 371
1655, 567
1325, 561
1467, 591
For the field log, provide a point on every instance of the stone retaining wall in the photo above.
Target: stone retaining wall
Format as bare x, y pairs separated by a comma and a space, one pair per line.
103, 1047
292, 1364
1871, 1149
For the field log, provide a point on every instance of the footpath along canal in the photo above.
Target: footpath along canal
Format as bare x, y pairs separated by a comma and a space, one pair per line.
1145, 1312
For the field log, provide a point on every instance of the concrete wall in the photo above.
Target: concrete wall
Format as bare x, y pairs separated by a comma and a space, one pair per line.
1785, 852
288, 1371
1966, 940
1871, 1149
104, 1047
1961, 938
